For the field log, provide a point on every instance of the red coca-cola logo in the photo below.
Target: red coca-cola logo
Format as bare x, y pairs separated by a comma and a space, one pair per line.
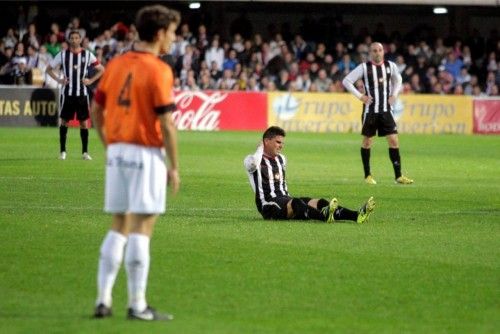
197, 110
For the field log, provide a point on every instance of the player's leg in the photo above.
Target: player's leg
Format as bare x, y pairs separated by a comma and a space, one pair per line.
65, 115
388, 129
393, 142
83, 116
112, 248
137, 259
305, 208
365, 211
368, 131
146, 174
110, 259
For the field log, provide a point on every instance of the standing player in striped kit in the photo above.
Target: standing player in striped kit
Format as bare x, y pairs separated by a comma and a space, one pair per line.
75, 63
382, 83
266, 170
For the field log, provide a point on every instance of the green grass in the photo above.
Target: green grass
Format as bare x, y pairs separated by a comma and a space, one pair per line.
428, 261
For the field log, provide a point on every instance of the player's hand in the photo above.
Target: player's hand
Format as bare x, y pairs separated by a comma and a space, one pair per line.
392, 100
173, 180
64, 81
86, 81
366, 99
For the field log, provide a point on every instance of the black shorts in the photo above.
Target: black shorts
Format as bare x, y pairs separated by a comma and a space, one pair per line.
381, 122
277, 207
72, 105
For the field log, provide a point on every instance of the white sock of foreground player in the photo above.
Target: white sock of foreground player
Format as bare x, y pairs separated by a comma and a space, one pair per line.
109, 264
137, 264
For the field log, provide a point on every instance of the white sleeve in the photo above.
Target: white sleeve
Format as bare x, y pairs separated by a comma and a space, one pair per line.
92, 59
396, 80
251, 163
56, 61
253, 160
351, 78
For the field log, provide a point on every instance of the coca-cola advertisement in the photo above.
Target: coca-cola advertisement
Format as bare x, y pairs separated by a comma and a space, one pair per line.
220, 110
487, 116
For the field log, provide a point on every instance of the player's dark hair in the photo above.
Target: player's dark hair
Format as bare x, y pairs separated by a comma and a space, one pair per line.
272, 132
150, 19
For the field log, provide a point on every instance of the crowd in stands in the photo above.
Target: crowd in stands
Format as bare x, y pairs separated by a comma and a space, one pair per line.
205, 61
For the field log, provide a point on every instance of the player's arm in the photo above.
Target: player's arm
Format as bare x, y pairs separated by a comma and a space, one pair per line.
170, 142
99, 72
53, 64
396, 83
349, 81
251, 161
97, 114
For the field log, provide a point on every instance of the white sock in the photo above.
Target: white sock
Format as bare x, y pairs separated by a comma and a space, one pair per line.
109, 264
137, 264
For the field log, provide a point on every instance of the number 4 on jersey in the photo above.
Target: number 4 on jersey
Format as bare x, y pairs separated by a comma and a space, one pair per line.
124, 97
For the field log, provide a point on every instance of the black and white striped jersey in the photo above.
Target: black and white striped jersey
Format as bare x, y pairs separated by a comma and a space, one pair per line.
380, 82
75, 67
267, 176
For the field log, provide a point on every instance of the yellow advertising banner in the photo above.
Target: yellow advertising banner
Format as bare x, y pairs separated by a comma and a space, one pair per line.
434, 114
341, 113
314, 112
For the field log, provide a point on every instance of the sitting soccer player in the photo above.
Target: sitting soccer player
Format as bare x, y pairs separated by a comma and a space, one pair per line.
266, 172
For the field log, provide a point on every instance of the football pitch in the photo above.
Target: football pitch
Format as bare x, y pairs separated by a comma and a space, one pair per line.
428, 261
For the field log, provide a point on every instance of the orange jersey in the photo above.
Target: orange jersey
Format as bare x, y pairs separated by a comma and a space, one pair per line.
133, 88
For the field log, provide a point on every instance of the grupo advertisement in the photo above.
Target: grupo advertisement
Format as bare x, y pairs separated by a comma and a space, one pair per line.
28, 106
487, 116
321, 112
220, 110
315, 112
434, 114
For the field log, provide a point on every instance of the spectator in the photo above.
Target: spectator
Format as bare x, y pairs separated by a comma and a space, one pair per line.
283, 82
494, 91
227, 81
55, 29
300, 47
32, 37
215, 54
237, 43
10, 40
231, 61
464, 76
392, 53
53, 46
305, 64
346, 65
21, 73
453, 64
75, 25
178, 48
303, 82
490, 83
322, 82
467, 56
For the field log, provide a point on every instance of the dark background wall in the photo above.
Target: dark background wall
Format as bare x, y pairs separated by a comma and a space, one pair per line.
314, 20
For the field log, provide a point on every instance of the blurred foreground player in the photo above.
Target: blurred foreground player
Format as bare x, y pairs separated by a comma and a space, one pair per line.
132, 112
